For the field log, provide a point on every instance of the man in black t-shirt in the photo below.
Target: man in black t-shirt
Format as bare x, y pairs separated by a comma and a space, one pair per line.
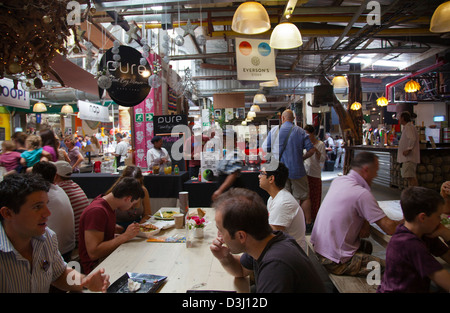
279, 264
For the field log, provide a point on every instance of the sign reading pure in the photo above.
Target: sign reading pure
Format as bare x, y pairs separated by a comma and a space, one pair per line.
129, 78
164, 123
255, 60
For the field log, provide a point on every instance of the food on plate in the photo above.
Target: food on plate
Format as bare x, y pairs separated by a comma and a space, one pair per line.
133, 286
147, 227
197, 212
167, 214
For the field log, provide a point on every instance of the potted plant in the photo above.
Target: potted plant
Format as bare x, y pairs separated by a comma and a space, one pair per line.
197, 224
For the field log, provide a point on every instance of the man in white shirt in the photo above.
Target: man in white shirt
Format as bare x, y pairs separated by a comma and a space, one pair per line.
157, 155
285, 213
121, 150
408, 149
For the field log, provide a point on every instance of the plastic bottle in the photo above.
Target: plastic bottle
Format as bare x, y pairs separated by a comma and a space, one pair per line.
176, 170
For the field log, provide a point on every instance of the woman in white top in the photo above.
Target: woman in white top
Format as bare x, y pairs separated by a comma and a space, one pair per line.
313, 167
157, 155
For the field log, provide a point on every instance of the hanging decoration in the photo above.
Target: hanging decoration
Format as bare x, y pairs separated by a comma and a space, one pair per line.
32, 33
154, 80
179, 40
132, 32
201, 39
189, 29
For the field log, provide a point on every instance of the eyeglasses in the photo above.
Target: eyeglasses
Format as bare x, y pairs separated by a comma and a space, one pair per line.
263, 174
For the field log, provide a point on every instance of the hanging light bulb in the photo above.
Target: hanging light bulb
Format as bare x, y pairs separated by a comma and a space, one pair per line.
440, 19
66, 109
412, 86
285, 36
39, 107
339, 82
355, 106
382, 102
250, 18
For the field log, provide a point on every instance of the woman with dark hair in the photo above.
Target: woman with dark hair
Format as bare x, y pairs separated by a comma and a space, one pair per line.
50, 143
141, 211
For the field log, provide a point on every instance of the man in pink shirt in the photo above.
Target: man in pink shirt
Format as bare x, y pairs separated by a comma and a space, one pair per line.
408, 149
345, 217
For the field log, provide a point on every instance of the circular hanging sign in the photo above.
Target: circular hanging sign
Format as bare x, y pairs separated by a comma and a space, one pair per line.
129, 78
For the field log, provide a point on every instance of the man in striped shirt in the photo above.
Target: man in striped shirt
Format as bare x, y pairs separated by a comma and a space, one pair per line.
29, 256
77, 197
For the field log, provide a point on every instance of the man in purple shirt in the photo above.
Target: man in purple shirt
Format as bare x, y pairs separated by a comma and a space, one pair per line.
345, 217
410, 261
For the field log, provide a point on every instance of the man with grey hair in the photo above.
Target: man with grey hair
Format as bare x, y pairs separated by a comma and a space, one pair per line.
287, 143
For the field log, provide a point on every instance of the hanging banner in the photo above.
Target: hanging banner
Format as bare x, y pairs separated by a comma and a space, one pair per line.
255, 60
9, 96
93, 112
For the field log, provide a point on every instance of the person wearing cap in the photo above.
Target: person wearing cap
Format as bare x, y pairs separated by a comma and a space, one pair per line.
77, 196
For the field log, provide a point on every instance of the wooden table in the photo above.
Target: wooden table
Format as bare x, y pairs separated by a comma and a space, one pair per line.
393, 210
192, 268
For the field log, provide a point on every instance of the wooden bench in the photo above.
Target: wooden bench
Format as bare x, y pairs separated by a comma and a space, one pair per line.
344, 283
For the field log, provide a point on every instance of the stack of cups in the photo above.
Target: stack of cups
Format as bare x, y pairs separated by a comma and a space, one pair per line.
184, 202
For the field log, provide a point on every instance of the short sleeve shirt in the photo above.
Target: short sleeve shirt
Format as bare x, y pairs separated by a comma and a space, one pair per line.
98, 216
17, 275
348, 203
409, 262
283, 267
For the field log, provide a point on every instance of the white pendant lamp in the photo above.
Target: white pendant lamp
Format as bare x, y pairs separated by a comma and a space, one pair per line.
255, 108
251, 115
66, 109
250, 18
259, 98
285, 36
270, 83
39, 107
440, 21
339, 82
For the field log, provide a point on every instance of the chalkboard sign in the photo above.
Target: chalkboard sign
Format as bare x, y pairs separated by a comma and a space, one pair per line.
163, 124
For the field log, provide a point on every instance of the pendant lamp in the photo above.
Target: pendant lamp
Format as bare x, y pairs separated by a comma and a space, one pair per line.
67, 109
355, 106
270, 83
285, 36
251, 115
412, 86
39, 107
440, 19
339, 82
259, 98
382, 102
250, 18
255, 108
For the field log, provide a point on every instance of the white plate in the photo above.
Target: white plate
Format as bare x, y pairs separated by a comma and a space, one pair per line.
158, 214
148, 234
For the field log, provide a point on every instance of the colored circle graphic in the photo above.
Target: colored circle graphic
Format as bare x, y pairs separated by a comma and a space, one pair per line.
245, 48
264, 49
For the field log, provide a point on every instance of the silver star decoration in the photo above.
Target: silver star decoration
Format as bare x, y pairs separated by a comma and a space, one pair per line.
189, 29
132, 32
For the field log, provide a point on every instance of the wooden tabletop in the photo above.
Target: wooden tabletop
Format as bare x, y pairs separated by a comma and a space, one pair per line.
193, 268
